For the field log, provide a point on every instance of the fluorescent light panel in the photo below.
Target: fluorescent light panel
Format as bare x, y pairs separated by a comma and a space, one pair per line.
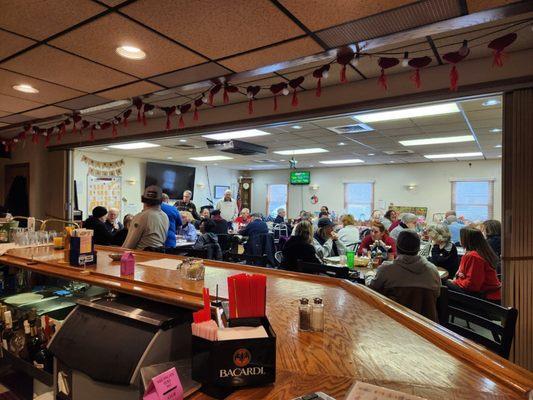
236, 134
211, 158
441, 140
294, 152
452, 155
350, 161
134, 145
424, 111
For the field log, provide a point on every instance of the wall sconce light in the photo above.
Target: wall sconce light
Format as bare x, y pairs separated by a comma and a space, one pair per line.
131, 181
314, 186
200, 185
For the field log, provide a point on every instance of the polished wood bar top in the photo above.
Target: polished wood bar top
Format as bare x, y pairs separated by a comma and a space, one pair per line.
367, 336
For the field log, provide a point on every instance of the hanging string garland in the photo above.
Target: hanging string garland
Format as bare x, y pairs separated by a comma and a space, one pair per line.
345, 56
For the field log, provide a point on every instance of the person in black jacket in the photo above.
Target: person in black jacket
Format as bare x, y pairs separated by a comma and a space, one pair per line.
299, 247
441, 251
221, 227
96, 222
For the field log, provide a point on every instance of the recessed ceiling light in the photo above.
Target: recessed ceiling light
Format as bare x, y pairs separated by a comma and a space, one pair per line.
281, 160
491, 102
498, 146
296, 127
215, 164
500, 156
392, 162
341, 144
371, 154
424, 111
133, 53
294, 152
25, 88
169, 158
105, 148
311, 166
441, 140
348, 161
183, 140
495, 130
106, 106
134, 146
210, 158
453, 155
236, 134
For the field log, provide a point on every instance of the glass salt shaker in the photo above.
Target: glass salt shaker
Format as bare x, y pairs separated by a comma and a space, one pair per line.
317, 315
304, 313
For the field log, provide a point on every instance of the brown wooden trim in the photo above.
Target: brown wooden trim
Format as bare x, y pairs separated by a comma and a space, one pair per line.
523, 258
9, 166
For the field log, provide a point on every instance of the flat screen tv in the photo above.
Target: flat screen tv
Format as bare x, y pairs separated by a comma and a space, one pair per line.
300, 177
173, 179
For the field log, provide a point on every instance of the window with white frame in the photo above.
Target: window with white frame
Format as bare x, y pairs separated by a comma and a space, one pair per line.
473, 200
277, 197
359, 199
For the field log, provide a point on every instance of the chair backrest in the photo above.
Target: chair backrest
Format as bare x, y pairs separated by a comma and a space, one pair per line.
494, 324
224, 241
254, 260
420, 300
278, 256
317, 269
280, 230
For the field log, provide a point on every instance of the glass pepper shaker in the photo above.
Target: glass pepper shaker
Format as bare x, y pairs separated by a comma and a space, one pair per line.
304, 312
317, 315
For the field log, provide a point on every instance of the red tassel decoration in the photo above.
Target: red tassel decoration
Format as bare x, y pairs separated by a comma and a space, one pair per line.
196, 114
343, 74
275, 103
416, 78
138, 103
144, 119
214, 90
294, 101
6, 147
225, 96
250, 105
454, 79
91, 136
498, 45
294, 83
276, 89
382, 80
318, 91
74, 129
197, 104
62, 131
181, 122
169, 111
35, 138
47, 141
344, 56
167, 125
114, 132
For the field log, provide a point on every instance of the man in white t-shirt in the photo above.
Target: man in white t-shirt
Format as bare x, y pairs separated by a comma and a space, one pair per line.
228, 207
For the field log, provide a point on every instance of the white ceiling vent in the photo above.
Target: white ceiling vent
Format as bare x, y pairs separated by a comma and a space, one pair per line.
398, 152
351, 129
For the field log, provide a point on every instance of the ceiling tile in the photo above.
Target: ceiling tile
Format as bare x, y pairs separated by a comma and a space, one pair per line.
99, 39
479, 5
48, 111
54, 65
4, 113
14, 104
48, 92
319, 14
217, 28
271, 55
15, 119
82, 102
193, 74
41, 19
3, 124
12, 43
112, 3
127, 91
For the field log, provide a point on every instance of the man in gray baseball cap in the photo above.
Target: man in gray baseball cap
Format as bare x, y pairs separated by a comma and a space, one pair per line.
148, 228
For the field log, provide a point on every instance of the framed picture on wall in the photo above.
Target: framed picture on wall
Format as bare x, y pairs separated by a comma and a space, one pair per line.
219, 191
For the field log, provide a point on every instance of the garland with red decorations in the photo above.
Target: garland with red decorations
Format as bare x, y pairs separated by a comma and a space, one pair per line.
345, 56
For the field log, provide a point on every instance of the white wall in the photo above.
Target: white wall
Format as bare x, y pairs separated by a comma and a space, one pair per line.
433, 182
135, 170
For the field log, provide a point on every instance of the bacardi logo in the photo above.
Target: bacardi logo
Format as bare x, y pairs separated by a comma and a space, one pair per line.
242, 357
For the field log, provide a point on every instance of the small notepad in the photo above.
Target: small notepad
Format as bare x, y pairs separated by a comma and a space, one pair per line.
366, 391
242, 332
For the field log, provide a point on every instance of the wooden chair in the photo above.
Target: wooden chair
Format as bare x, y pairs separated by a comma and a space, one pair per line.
499, 321
323, 269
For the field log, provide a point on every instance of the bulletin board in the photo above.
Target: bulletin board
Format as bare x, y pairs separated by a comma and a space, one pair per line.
104, 191
418, 211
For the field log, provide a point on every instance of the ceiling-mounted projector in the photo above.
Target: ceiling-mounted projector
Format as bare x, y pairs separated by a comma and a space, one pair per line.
237, 147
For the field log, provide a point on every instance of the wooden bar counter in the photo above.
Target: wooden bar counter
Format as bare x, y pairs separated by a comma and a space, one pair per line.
367, 337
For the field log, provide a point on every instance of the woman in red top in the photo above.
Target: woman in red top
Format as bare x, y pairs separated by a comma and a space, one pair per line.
477, 272
379, 232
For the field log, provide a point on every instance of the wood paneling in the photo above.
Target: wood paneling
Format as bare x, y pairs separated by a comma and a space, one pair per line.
367, 336
517, 248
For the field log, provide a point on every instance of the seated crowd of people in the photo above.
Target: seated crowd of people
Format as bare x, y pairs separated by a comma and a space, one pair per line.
410, 253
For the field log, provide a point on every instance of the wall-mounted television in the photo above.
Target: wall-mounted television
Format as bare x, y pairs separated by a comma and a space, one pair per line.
172, 179
300, 177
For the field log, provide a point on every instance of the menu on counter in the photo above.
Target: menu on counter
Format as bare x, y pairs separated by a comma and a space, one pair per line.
366, 391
